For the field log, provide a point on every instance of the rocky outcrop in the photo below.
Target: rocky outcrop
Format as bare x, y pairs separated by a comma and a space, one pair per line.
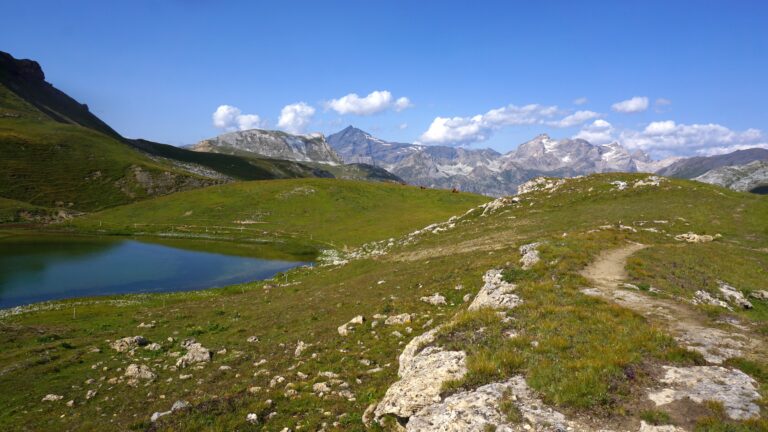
696, 238
733, 388
495, 293
529, 255
345, 328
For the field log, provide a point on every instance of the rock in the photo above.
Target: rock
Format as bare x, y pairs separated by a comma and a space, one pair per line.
495, 293
90, 394
128, 343
760, 295
733, 295
529, 255
703, 297
157, 414
344, 328
466, 298
398, 319
435, 299
196, 353
421, 381
645, 427
52, 398
139, 372
733, 388
148, 325
185, 377
300, 347
71, 403
619, 185
252, 418
277, 379
696, 238
252, 339
368, 415
225, 368
321, 387
154, 346
477, 410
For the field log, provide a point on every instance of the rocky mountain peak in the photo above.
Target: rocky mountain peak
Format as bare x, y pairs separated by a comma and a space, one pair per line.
24, 69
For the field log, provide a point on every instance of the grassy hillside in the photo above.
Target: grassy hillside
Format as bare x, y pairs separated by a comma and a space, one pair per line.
588, 358
333, 212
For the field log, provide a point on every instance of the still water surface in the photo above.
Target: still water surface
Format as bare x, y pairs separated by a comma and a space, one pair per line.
36, 269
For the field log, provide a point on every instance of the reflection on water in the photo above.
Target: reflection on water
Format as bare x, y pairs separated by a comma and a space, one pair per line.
34, 269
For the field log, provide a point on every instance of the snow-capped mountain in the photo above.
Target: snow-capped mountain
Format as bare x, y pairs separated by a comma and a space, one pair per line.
272, 144
487, 171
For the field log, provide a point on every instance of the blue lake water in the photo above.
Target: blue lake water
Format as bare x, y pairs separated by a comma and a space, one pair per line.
40, 269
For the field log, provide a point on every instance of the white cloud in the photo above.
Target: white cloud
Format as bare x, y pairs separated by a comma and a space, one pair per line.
402, 103
665, 138
580, 101
465, 130
662, 102
376, 102
294, 118
599, 132
635, 105
403, 126
574, 119
230, 118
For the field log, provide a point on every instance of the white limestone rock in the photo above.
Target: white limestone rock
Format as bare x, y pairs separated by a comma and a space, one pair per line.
495, 293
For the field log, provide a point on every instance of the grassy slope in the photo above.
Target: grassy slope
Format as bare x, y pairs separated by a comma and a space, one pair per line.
592, 358
45, 162
339, 212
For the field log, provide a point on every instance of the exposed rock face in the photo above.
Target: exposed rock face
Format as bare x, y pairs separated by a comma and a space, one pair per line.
345, 328
398, 319
478, 411
697, 166
272, 144
736, 390
421, 378
696, 238
734, 296
495, 293
486, 171
744, 178
435, 299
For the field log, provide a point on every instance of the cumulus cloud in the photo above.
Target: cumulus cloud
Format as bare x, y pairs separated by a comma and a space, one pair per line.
466, 130
598, 133
294, 118
376, 102
230, 118
574, 119
635, 105
580, 101
666, 138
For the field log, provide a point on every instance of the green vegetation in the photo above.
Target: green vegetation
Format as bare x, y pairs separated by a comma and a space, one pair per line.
324, 212
583, 356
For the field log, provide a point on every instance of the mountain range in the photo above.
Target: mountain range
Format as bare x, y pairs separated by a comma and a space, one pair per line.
487, 171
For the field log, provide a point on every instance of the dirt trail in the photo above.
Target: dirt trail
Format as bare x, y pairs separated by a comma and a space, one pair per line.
689, 327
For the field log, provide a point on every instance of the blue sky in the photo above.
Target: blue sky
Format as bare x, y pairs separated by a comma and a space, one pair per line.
473, 73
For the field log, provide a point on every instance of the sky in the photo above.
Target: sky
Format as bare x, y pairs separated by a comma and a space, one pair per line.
666, 77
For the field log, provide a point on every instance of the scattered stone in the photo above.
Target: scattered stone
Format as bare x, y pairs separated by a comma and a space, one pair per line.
225, 368
90, 394
703, 297
733, 295
196, 353
733, 388
648, 181
760, 295
530, 255
435, 299
398, 319
252, 418
185, 377
71, 403
128, 343
252, 339
495, 293
154, 346
180, 405
397, 334
466, 298
139, 372
52, 398
696, 238
276, 380
368, 415
321, 387
148, 325
619, 185
645, 427
344, 328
